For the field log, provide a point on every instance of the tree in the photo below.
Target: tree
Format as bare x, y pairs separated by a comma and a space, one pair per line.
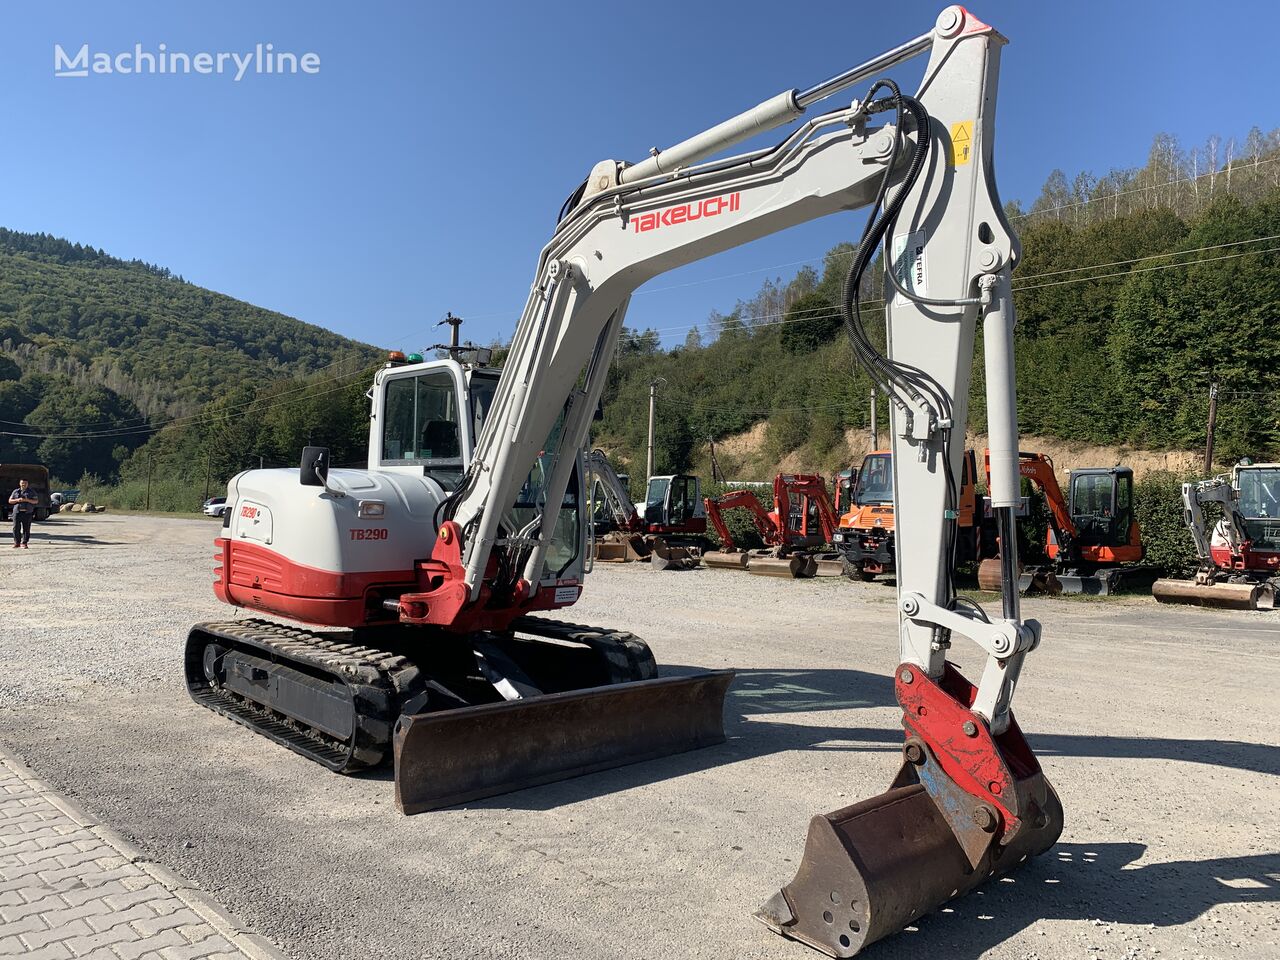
811, 322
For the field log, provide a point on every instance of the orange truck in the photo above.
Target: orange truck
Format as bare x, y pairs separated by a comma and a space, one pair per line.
865, 502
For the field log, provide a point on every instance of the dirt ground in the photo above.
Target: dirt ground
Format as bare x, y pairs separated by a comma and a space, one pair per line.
1157, 725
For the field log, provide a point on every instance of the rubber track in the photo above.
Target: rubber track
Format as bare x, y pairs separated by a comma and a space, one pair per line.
379, 682
628, 657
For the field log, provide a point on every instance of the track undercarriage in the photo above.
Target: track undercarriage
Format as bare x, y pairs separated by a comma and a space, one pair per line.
346, 699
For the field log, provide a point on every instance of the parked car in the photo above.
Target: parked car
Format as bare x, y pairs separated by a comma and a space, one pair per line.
215, 506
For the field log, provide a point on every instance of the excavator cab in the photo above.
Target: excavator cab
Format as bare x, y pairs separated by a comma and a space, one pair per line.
673, 505
1101, 506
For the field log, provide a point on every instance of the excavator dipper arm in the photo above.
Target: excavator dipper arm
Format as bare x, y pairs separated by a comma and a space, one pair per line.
745, 500
970, 800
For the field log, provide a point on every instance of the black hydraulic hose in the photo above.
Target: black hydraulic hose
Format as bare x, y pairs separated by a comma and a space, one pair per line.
572, 201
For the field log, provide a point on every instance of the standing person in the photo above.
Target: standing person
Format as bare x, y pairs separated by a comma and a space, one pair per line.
23, 503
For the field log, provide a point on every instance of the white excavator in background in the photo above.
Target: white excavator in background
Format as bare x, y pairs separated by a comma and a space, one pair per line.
472, 513
668, 529
1240, 556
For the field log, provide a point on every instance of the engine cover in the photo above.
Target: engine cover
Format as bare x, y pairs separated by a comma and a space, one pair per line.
310, 555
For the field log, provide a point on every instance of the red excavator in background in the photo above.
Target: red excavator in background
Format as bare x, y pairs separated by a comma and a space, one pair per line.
801, 523
1093, 544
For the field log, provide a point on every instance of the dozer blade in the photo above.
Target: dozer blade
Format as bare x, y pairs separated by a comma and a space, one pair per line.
452, 756
717, 559
1231, 596
829, 565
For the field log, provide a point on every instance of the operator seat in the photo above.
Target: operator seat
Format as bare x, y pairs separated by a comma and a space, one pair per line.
440, 440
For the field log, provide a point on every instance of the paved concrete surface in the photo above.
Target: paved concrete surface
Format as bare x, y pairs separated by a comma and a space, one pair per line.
1157, 725
72, 888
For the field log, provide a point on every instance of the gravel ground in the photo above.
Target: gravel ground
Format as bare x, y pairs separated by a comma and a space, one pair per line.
1156, 724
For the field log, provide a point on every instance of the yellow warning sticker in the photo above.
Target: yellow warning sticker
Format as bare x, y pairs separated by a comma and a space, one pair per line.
961, 143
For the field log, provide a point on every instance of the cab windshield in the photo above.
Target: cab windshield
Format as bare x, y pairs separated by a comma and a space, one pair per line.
875, 480
1259, 494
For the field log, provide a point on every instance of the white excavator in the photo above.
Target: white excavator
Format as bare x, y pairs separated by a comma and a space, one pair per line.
471, 515
1240, 554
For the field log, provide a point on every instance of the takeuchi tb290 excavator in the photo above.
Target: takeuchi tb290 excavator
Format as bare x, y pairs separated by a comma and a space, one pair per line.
471, 515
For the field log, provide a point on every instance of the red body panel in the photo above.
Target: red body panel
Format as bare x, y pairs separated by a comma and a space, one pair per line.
1247, 559
253, 576
433, 594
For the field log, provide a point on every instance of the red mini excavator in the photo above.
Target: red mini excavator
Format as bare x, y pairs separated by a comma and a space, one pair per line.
801, 523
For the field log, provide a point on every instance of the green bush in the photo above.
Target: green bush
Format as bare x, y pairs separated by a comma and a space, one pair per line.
1158, 504
739, 522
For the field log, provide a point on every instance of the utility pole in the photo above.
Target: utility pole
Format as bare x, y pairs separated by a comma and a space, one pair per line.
1213, 423
206, 474
151, 458
716, 476
653, 404
875, 427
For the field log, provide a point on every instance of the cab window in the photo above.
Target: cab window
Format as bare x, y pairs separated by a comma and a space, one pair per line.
421, 426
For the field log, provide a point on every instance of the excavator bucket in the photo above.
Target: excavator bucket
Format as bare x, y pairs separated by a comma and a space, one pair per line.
453, 756
872, 868
666, 556
627, 548
1230, 596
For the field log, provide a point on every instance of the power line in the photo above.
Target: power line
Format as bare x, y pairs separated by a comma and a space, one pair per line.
820, 313
1244, 166
1155, 186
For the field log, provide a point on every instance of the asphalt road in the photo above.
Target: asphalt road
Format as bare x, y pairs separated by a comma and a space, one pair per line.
1157, 725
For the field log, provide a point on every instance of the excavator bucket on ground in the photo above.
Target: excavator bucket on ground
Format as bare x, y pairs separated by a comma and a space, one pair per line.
454, 756
621, 548
872, 868
1230, 596
668, 556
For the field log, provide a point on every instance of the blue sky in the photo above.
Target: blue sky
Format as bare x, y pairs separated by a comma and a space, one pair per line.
421, 169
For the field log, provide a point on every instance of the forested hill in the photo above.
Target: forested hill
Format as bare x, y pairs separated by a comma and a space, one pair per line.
1135, 292
89, 339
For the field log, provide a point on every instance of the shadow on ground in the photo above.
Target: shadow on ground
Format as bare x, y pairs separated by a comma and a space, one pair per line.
1095, 881
759, 697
